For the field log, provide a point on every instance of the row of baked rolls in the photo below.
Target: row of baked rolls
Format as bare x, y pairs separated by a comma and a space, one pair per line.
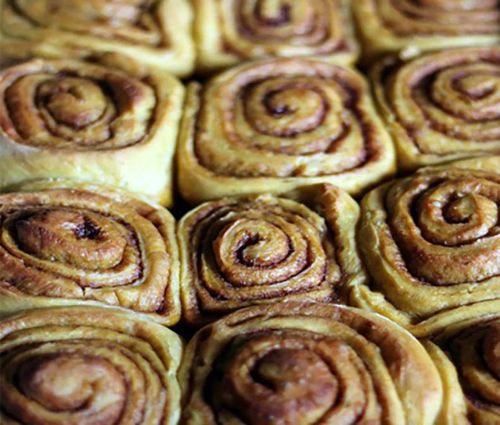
66, 244
70, 243
288, 363
101, 122
420, 25
87, 366
441, 106
263, 249
431, 244
292, 363
156, 33
159, 32
467, 355
275, 125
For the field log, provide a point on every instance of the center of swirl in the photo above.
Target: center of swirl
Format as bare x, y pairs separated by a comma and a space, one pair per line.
272, 12
290, 372
479, 86
261, 243
87, 240
278, 379
256, 251
283, 107
75, 102
469, 92
460, 210
71, 382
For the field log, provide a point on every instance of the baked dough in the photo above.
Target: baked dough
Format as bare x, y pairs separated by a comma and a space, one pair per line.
112, 122
66, 243
307, 364
156, 33
275, 125
232, 31
411, 27
441, 106
466, 355
430, 243
87, 366
263, 249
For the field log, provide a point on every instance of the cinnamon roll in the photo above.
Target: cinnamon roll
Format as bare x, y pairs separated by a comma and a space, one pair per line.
240, 251
467, 356
275, 125
292, 363
156, 33
232, 31
442, 106
431, 243
413, 26
64, 243
87, 366
89, 121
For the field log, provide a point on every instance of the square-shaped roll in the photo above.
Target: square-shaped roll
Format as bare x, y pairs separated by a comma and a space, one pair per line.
390, 26
431, 243
156, 33
232, 31
299, 363
112, 122
241, 251
441, 106
87, 366
65, 243
278, 124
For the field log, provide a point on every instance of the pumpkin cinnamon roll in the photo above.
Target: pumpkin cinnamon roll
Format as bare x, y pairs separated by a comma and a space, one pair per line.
89, 121
156, 33
275, 125
467, 356
232, 31
442, 106
431, 243
307, 364
87, 366
413, 26
259, 249
66, 244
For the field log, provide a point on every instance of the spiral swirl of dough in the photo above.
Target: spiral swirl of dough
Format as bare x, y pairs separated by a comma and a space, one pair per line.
442, 106
431, 243
87, 366
241, 251
282, 123
61, 245
296, 363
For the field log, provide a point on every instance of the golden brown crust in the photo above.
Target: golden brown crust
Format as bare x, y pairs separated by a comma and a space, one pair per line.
156, 33
232, 31
411, 27
294, 363
469, 366
94, 122
240, 251
275, 125
67, 243
453, 409
87, 366
431, 244
442, 106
